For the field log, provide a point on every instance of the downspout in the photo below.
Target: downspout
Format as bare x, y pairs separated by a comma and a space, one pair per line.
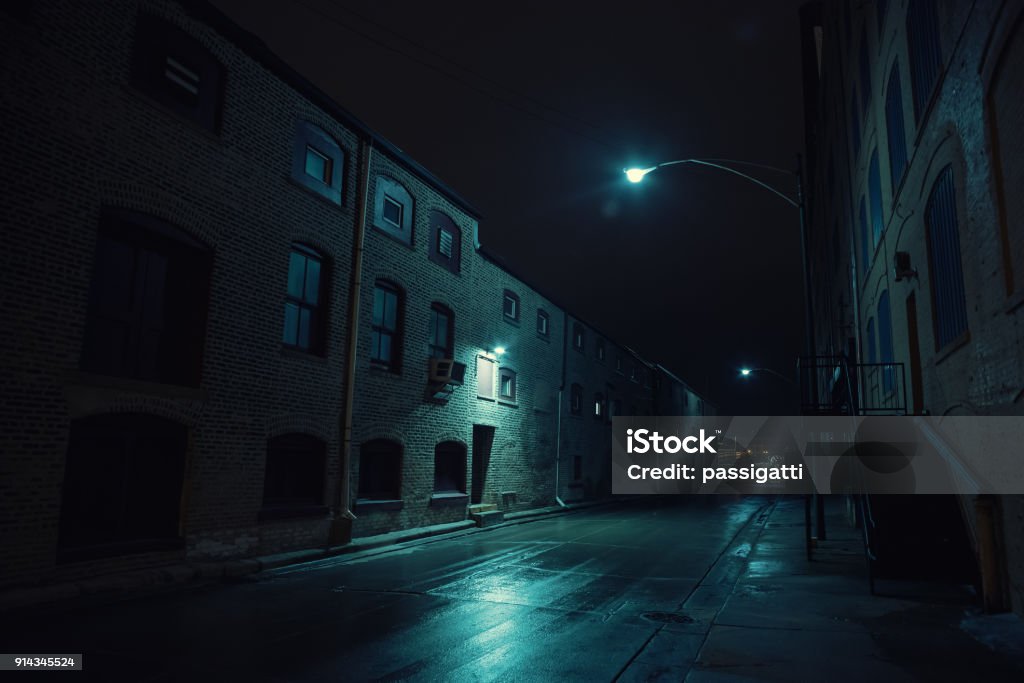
341, 523
561, 393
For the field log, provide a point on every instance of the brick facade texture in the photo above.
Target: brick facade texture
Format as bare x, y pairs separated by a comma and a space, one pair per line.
971, 124
85, 139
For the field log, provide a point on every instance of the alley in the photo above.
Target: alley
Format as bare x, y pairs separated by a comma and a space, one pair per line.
649, 590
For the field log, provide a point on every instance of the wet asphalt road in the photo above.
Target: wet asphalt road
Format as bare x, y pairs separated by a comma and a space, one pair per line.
562, 598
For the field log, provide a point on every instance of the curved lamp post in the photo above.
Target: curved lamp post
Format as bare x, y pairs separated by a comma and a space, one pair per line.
635, 175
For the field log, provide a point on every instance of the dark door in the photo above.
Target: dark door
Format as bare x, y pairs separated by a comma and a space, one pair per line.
916, 385
483, 441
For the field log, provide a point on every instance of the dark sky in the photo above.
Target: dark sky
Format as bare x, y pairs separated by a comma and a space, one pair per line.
531, 110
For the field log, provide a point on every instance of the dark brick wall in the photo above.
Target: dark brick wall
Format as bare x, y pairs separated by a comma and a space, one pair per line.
84, 138
982, 374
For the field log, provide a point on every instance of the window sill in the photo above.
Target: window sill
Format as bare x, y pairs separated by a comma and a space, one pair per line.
384, 505
291, 512
449, 500
511, 403
98, 381
510, 321
383, 371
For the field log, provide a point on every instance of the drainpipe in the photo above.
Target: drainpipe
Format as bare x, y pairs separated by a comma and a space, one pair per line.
561, 393
341, 523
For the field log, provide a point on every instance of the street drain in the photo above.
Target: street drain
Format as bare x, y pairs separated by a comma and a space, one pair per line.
668, 617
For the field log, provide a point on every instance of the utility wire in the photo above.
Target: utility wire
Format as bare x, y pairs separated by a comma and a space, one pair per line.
503, 100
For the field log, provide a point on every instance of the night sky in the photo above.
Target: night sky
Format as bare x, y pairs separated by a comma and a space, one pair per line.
531, 110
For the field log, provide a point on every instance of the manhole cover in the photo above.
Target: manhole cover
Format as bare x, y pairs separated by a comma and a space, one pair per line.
668, 617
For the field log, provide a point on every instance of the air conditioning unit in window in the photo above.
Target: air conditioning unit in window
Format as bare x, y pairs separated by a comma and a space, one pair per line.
446, 371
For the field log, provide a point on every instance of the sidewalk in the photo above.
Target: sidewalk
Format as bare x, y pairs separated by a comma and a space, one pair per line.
789, 619
188, 574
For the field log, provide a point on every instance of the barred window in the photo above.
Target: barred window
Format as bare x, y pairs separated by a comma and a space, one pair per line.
945, 268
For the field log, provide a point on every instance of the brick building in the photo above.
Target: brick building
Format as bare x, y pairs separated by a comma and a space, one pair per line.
239, 322
914, 143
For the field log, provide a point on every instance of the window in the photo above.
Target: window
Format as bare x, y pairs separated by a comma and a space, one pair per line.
485, 371
854, 126
506, 384
392, 210
864, 253
386, 341
303, 312
445, 241
599, 407
872, 352
449, 467
317, 162
576, 399
865, 74
175, 69
947, 278
875, 192
148, 301
543, 324
600, 350
293, 482
618, 364
894, 125
925, 51
885, 340
122, 486
441, 327
577, 336
510, 306
380, 471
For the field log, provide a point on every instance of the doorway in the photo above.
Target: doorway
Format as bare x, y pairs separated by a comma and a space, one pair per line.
483, 442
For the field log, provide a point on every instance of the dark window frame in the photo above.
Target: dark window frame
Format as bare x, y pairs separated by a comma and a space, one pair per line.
295, 477
510, 296
441, 223
950, 322
576, 399
378, 329
388, 188
434, 349
579, 337
309, 136
380, 471
317, 334
450, 476
162, 327
509, 374
158, 42
543, 331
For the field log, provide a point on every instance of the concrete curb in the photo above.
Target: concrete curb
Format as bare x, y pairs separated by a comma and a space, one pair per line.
139, 583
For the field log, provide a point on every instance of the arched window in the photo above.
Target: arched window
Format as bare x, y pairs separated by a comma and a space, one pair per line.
148, 301
392, 210
380, 470
318, 163
122, 486
942, 227
450, 467
386, 334
293, 481
895, 129
925, 51
445, 241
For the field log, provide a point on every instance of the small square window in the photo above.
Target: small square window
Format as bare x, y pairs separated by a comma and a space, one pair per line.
510, 306
506, 384
542, 323
392, 212
318, 165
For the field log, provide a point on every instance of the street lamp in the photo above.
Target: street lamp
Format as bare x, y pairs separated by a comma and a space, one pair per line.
635, 175
747, 372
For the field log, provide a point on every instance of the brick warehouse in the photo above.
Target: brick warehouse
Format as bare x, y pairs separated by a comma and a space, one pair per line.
228, 288
917, 239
